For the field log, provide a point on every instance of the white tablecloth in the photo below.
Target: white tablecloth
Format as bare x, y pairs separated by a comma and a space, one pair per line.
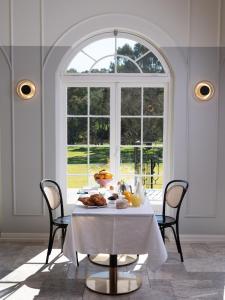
115, 231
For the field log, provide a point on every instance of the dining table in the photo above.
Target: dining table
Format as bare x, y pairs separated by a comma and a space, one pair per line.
115, 231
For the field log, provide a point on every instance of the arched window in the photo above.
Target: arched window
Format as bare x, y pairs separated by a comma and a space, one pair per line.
116, 89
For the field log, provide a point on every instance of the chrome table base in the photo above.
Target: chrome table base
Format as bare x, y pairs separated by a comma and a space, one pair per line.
122, 259
113, 282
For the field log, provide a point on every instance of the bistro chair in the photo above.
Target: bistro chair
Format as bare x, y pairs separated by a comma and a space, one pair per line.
53, 196
173, 196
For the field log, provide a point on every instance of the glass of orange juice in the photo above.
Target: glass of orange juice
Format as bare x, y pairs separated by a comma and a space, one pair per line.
135, 200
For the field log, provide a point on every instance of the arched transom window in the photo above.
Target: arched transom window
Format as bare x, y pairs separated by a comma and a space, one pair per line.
116, 90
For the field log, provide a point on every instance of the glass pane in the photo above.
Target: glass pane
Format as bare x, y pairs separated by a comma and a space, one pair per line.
99, 101
130, 159
77, 101
99, 159
152, 131
130, 48
152, 161
152, 182
77, 160
76, 131
150, 64
101, 48
105, 65
80, 64
130, 101
153, 101
77, 181
130, 131
99, 131
129, 179
124, 65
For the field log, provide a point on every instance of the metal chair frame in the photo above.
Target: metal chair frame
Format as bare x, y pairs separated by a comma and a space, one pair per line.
57, 223
165, 221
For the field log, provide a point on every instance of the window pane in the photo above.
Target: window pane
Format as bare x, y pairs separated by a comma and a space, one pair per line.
80, 64
99, 159
130, 131
77, 181
124, 65
99, 101
152, 182
130, 101
77, 160
99, 131
101, 48
76, 131
76, 101
150, 64
152, 161
129, 179
153, 101
130, 48
105, 65
130, 158
152, 131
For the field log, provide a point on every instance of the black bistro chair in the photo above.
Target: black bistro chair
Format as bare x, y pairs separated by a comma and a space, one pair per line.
173, 196
53, 196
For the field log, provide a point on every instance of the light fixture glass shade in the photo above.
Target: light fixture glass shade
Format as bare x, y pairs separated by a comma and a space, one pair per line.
25, 89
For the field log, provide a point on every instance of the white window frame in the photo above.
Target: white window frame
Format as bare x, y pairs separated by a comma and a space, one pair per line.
65, 80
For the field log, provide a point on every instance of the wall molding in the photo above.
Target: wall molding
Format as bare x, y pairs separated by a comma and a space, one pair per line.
42, 97
197, 238
23, 236
192, 238
13, 164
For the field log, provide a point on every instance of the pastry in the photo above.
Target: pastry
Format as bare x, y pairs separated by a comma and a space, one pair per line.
93, 200
121, 203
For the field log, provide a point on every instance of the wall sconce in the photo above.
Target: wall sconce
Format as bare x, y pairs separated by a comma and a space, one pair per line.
25, 89
204, 90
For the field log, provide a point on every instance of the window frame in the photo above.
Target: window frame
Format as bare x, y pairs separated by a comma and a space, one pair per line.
65, 80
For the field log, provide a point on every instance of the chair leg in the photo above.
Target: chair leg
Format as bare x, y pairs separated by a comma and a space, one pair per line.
77, 259
49, 244
178, 243
62, 238
162, 230
177, 240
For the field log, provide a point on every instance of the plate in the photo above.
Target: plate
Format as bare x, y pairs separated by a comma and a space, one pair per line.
100, 206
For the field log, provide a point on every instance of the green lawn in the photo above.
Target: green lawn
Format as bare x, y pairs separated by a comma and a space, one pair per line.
99, 159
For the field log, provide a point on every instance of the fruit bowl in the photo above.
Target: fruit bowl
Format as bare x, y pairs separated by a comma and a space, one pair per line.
103, 182
103, 178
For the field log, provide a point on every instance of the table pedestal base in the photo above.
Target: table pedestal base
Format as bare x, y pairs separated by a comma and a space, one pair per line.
113, 282
123, 283
122, 259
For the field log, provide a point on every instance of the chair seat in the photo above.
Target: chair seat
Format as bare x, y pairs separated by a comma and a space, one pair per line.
62, 221
168, 220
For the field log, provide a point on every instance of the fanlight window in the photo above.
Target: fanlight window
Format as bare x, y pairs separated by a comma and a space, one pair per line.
115, 55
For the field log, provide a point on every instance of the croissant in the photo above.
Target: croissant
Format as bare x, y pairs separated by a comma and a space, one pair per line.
93, 200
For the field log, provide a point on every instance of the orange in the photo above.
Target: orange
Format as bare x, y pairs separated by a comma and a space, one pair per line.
108, 176
127, 195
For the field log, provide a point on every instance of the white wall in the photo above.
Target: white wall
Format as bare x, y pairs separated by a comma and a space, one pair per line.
190, 33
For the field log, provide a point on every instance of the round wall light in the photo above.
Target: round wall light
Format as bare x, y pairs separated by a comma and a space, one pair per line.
25, 89
204, 90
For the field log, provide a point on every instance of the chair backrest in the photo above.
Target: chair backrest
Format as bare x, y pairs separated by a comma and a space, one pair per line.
53, 195
174, 194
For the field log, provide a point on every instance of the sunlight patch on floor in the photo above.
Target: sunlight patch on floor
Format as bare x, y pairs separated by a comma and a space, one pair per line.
24, 290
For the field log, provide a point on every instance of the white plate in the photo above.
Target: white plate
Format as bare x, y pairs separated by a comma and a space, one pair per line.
89, 206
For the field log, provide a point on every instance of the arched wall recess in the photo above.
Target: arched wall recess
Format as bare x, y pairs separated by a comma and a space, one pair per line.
57, 59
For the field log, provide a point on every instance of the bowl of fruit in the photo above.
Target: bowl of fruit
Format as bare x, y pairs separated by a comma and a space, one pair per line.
103, 178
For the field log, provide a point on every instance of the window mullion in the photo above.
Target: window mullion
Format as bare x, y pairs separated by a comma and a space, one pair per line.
141, 152
88, 134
